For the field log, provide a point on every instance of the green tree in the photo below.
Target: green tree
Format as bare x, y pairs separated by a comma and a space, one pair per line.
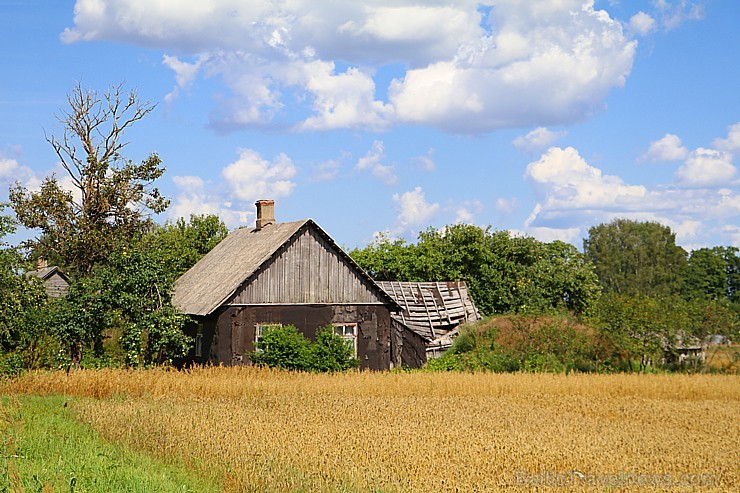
504, 273
23, 300
713, 273
632, 257
112, 196
181, 244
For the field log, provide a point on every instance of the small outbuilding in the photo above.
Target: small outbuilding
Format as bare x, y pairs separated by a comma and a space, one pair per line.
54, 280
433, 310
286, 274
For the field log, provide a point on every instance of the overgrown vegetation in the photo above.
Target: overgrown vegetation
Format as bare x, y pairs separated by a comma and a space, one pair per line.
285, 347
633, 300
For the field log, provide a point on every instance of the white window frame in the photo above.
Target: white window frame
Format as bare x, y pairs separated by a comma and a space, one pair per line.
349, 332
259, 330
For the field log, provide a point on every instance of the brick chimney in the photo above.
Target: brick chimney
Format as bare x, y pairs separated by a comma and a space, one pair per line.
265, 213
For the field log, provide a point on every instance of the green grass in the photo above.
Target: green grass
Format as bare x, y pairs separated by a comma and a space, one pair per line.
44, 449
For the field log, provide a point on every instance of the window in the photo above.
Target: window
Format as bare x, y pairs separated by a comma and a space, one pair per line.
199, 341
259, 331
348, 332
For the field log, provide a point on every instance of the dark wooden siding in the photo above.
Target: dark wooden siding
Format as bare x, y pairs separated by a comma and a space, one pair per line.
235, 330
306, 270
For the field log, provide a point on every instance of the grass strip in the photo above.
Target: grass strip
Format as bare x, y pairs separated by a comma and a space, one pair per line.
44, 449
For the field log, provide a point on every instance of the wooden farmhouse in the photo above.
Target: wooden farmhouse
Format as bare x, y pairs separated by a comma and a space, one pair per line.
54, 280
433, 310
290, 274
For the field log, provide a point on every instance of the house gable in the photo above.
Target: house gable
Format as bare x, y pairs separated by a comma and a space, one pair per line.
308, 269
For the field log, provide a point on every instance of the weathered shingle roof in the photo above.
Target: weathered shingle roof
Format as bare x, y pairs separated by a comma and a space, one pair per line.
432, 309
47, 272
217, 276
221, 271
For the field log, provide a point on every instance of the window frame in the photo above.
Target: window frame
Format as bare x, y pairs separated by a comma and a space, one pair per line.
349, 339
259, 329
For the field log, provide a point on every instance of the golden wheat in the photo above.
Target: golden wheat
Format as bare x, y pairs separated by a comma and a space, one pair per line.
267, 430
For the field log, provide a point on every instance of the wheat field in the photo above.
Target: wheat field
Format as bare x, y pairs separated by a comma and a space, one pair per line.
264, 430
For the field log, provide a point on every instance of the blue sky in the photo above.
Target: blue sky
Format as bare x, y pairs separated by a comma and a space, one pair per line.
543, 117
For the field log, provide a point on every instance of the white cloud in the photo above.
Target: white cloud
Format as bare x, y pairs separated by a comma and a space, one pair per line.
507, 206
573, 195
538, 139
11, 171
326, 171
185, 73
343, 100
568, 182
550, 63
669, 148
373, 162
544, 63
251, 177
706, 168
732, 142
673, 14
465, 213
193, 198
413, 209
426, 162
642, 23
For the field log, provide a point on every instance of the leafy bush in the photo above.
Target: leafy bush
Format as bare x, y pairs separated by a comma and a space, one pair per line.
330, 352
282, 347
285, 347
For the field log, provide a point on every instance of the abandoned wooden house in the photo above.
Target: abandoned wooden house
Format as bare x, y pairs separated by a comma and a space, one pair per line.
54, 280
288, 274
433, 310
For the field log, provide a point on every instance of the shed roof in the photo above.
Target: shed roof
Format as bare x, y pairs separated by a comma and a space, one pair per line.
432, 309
217, 276
46, 272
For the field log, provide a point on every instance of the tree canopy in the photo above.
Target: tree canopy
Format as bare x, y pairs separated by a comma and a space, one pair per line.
632, 257
505, 273
105, 198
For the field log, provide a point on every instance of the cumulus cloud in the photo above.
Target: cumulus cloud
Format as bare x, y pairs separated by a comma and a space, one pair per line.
669, 148
706, 168
732, 142
193, 197
552, 63
546, 63
573, 195
251, 177
373, 162
413, 209
642, 23
465, 213
538, 139
11, 171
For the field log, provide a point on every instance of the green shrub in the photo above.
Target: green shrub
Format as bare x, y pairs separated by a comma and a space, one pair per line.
285, 347
331, 353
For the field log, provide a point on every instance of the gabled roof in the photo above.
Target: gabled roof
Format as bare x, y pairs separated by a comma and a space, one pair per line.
46, 272
217, 276
432, 309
